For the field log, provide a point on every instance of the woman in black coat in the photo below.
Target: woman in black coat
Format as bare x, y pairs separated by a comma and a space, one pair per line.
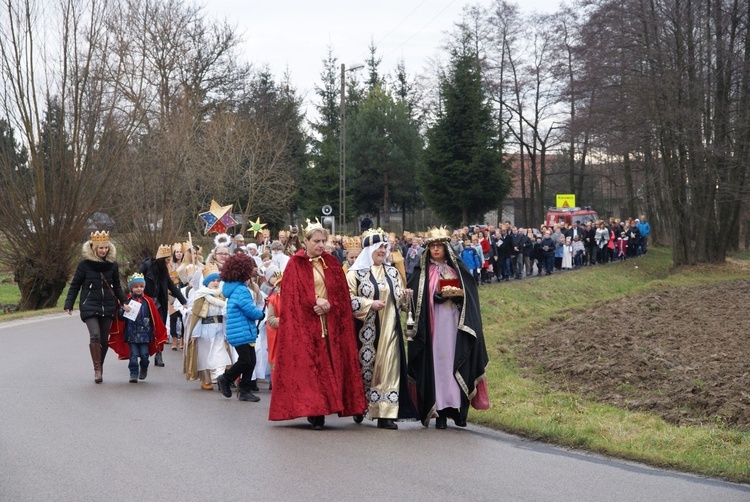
158, 285
97, 277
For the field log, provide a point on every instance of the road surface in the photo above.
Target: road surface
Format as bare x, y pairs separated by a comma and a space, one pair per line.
65, 438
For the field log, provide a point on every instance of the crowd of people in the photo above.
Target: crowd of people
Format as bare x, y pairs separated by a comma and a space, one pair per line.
334, 342
506, 251
320, 318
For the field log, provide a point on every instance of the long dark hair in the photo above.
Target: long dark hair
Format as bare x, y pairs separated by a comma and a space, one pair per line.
160, 267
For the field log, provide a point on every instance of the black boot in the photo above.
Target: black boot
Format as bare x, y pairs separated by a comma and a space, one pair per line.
223, 383
246, 395
158, 360
441, 423
387, 423
318, 422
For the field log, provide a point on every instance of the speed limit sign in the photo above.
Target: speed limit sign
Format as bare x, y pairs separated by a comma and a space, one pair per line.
327, 210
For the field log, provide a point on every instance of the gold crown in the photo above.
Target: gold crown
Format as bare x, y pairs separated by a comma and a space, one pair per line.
351, 243
100, 237
374, 236
177, 246
311, 227
165, 251
437, 234
210, 268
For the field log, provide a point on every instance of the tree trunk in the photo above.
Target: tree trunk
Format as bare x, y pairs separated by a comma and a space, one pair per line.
40, 284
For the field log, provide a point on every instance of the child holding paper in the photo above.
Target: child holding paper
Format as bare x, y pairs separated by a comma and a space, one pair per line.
135, 334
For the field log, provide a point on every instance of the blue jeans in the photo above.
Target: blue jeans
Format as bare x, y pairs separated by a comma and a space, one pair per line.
137, 350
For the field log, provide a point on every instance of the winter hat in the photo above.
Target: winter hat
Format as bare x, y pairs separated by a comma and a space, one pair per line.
210, 273
136, 279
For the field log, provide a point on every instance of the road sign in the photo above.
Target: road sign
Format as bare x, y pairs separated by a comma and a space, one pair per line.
566, 200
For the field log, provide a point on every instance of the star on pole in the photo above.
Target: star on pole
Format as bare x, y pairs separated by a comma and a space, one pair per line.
218, 218
256, 227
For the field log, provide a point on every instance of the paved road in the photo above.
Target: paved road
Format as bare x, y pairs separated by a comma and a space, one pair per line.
64, 438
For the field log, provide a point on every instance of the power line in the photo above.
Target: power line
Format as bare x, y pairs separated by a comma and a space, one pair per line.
420, 30
402, 22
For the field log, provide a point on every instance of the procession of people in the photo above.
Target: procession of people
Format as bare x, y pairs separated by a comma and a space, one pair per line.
335, 342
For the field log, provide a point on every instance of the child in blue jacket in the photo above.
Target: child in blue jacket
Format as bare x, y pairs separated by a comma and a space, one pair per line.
242, 315
470, 257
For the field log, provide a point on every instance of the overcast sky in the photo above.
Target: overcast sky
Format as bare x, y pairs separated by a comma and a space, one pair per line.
296, 34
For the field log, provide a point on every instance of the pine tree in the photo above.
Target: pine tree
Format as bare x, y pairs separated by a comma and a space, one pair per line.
321, 179
385, 148
464, 174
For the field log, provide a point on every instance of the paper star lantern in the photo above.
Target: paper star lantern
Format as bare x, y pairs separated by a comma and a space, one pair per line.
218, 218
256, 227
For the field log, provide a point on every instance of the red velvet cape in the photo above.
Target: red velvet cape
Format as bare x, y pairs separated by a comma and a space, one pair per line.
117, 333
315, 375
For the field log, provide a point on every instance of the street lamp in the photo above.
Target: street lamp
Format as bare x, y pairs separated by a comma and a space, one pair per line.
342, 147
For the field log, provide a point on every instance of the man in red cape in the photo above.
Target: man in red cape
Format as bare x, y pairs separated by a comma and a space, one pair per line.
317, 370
117, 333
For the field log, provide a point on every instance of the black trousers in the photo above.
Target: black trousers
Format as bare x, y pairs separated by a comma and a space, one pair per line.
244, 366
175, 319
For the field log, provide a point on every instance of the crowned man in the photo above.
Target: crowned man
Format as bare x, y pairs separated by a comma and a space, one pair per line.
317, 370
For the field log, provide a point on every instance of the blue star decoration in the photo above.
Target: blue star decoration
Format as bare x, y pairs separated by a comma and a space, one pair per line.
218, 218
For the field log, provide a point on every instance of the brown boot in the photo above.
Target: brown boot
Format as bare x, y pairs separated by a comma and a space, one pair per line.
180, 340
174, 343
96, 357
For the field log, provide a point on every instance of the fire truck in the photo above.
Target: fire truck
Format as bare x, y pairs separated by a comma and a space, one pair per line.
569, 215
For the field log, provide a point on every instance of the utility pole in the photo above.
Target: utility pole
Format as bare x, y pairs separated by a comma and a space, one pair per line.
342, 152
342, 147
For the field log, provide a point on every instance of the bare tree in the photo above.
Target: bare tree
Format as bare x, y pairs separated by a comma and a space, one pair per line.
68, 114
188, 70
250, 163
677, 97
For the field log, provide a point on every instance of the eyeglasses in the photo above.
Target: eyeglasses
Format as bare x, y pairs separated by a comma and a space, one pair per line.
435, 245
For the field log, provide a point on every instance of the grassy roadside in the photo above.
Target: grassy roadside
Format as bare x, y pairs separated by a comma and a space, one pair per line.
528, 408
10, 296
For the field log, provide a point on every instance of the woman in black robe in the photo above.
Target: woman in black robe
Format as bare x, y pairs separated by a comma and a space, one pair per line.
470, 357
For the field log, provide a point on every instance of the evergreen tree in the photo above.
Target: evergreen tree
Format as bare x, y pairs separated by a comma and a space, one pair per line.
278, 107
11, 154
464, 174
373, 65
384, 149
321, 179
